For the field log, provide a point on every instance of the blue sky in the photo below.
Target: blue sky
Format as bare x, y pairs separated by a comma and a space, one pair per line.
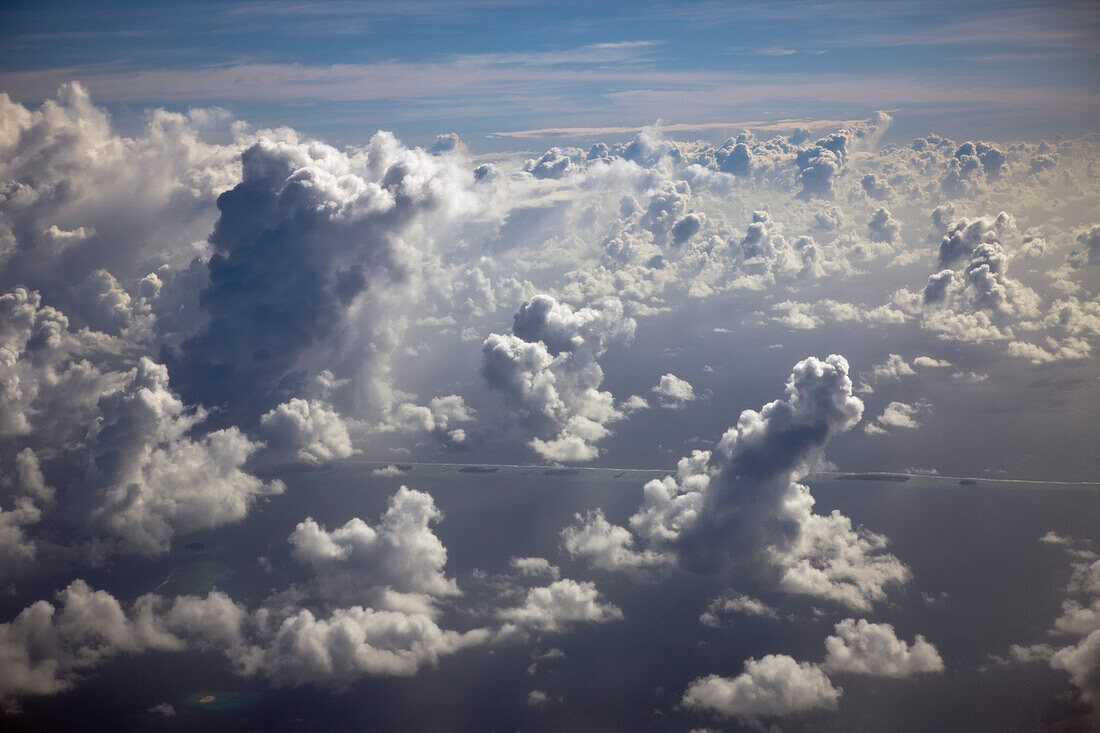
340, 70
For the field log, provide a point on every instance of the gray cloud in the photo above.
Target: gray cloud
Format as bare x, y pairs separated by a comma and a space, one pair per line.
743, 507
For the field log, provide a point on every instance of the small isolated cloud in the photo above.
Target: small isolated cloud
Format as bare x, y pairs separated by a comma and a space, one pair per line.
772, 687
535, 567
928, 362
535, 698
164, 709
895, 367
732, 603
673, 391
860, 647
896, 415
556, 607
389, 470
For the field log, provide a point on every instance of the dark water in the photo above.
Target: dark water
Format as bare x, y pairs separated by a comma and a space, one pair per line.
974, 550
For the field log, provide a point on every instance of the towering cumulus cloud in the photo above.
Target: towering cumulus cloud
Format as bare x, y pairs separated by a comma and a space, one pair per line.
742, 506
312, 259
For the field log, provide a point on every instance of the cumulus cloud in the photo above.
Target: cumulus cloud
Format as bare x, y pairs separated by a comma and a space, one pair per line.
47, 648
440, 417
392, 573
883, 227
305, 430
895, 367
743, 506
604, 545
972, 298
147, 480
309, 270
353, 642
777, 685
536, 698
310, 302
673, 391
860, 647
1090, 252
1080, 621
65, 172
772, 687
556, 607
735, 603
1082, 662
928, 362
896, 415
399, 561
547, 371
535, 566
137, 469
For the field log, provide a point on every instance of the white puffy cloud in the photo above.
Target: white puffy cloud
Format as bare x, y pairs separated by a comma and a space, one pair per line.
554, 163
673, 391
315, 304
439, 417
313, 269
928, 362
45, 648
604, 545
777, 685
735, 603
548, 372
807, 316
1090, 241
66, 176
860, 647
148, 481
353, 642
537, 697
48, 387
535, 567
964, 236
1077, 619
1082, 662
306, 430
360, 563
894, 367
391, 573
136, 466
896, 415
28, 488
556, 607
772, 687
